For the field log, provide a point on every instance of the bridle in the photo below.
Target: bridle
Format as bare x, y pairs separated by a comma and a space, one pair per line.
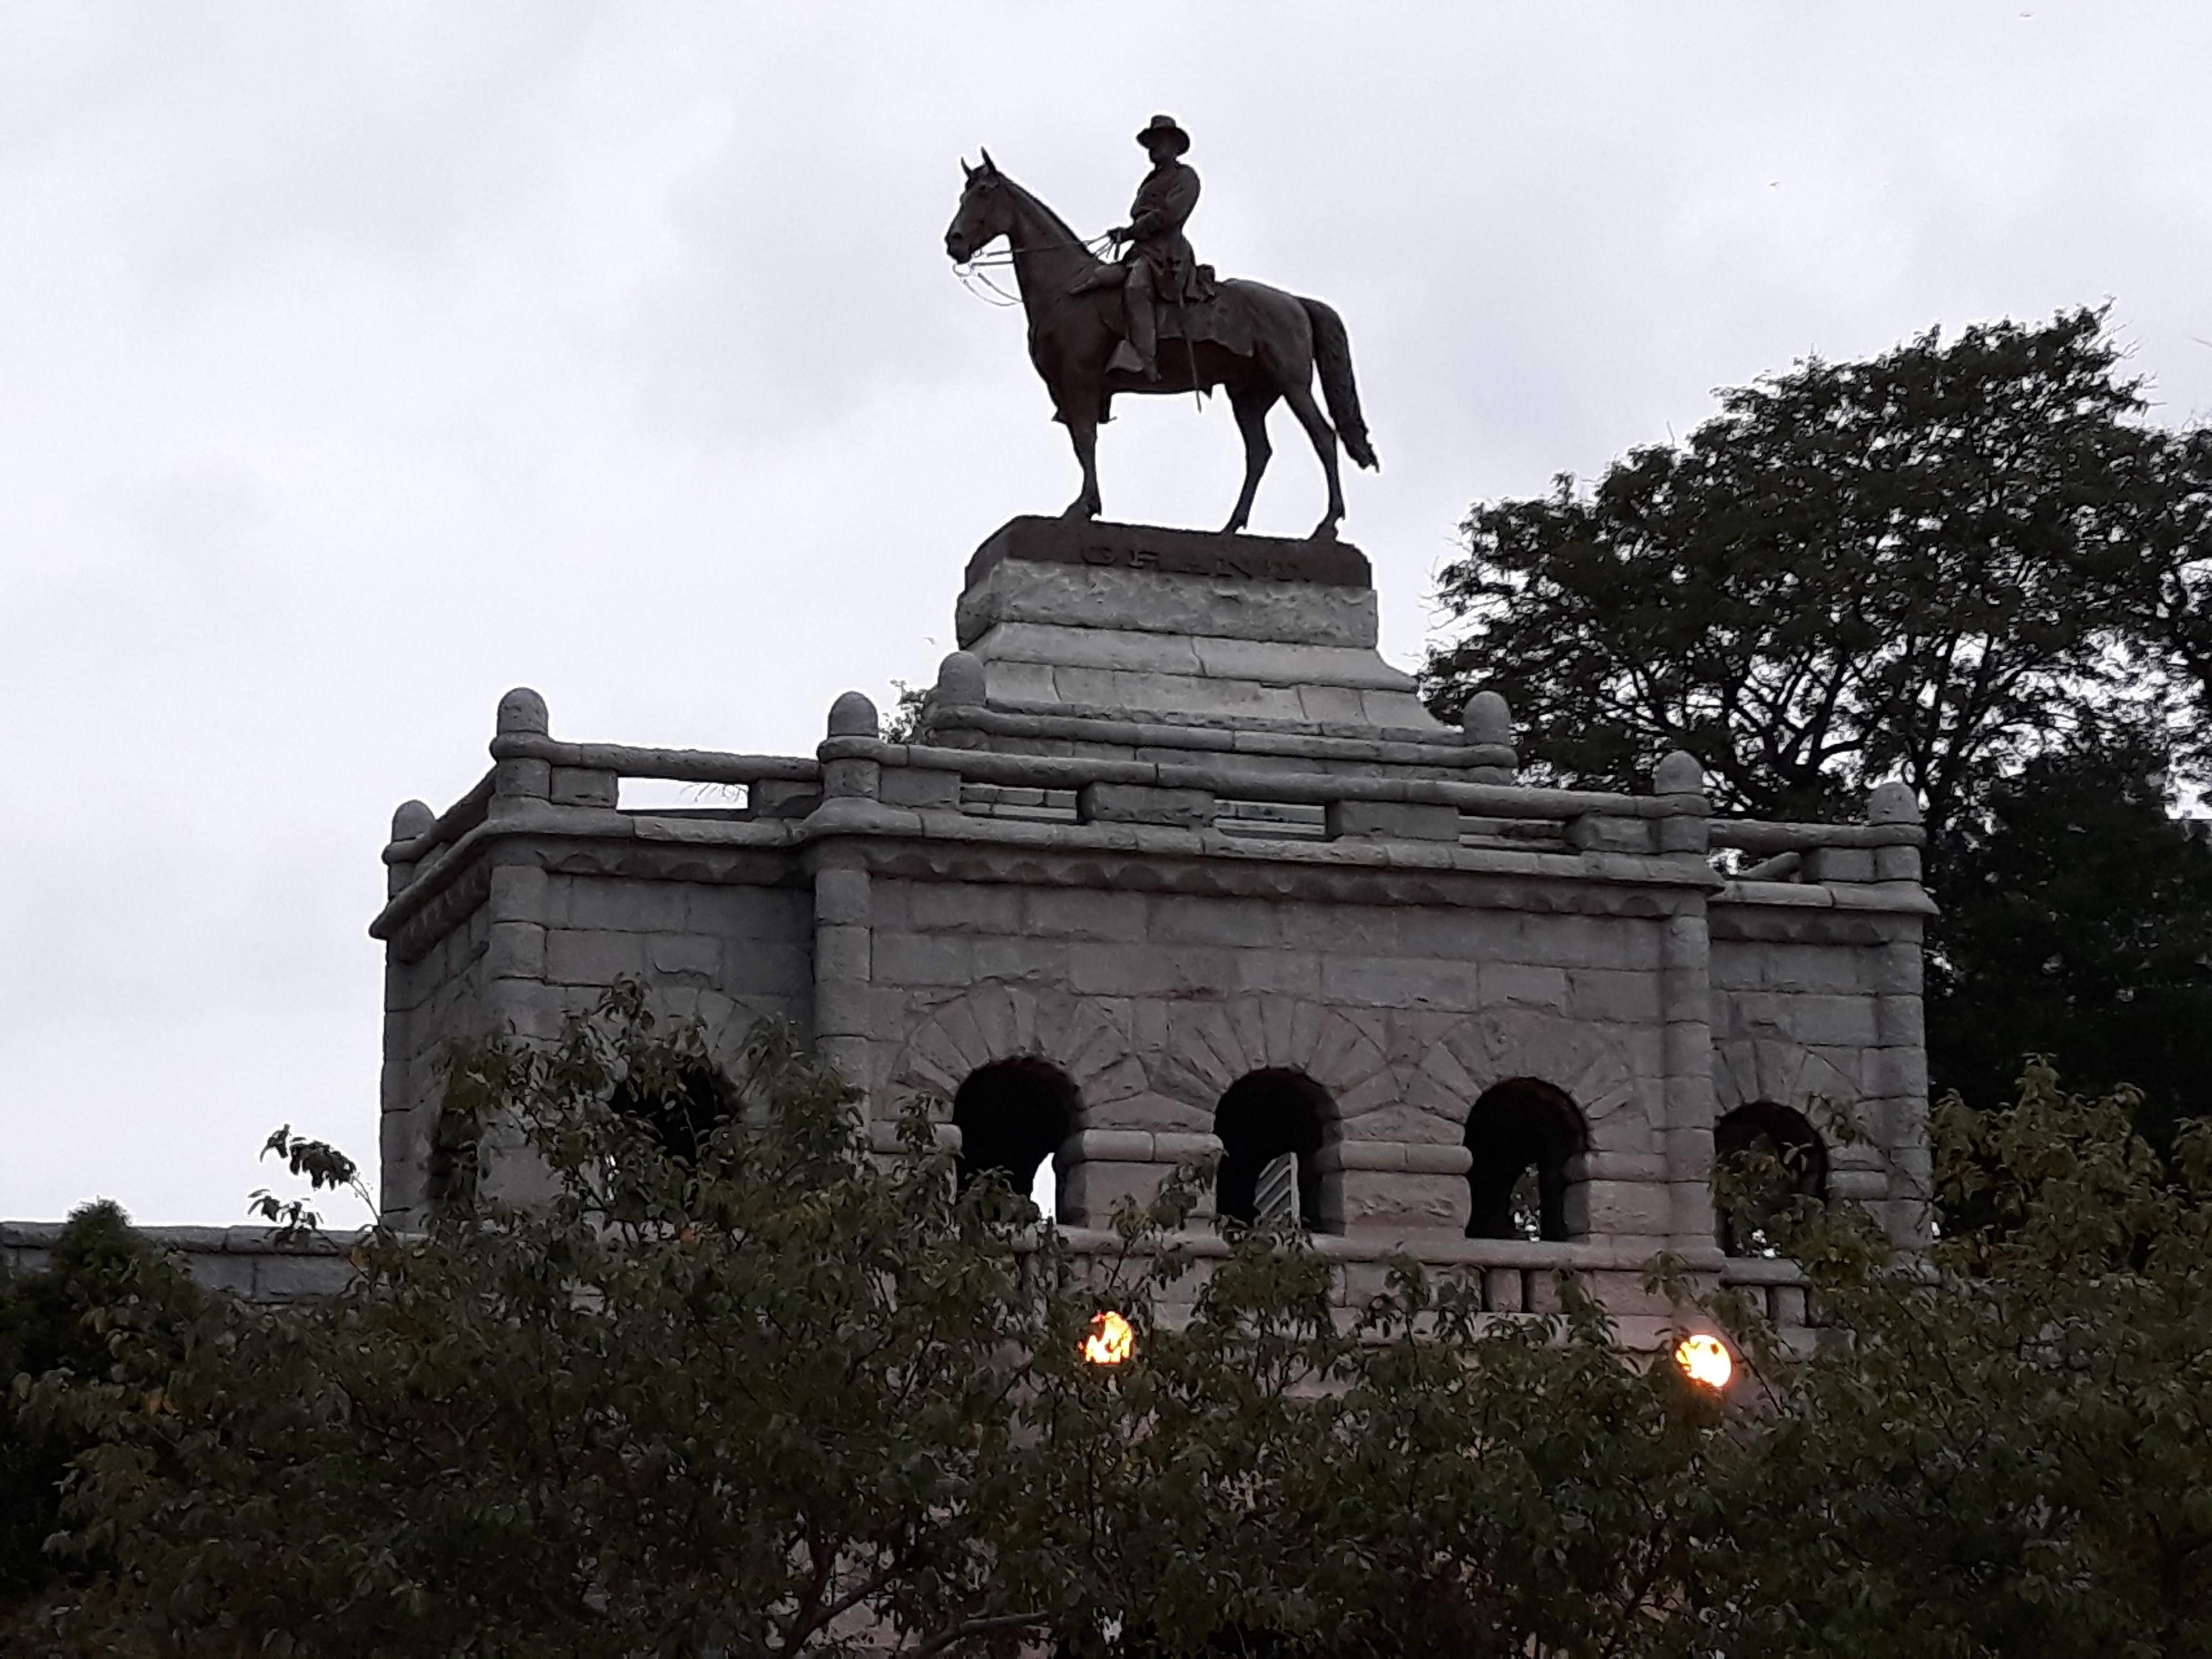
976, 268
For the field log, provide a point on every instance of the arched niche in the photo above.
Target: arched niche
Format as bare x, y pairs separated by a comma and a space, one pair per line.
1523, 1136
682, 1108
1261, 1116
1781, 1154
1013, 1115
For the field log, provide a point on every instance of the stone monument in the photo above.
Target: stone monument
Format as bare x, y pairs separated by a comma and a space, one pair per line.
1175, 865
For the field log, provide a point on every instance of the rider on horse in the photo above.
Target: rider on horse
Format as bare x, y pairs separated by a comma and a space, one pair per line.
1159, 263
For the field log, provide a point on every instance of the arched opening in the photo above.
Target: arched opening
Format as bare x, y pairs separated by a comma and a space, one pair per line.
1013, 1115
452, 1177
1766, 1158
1267, 1115
1522, 1135
682, 1106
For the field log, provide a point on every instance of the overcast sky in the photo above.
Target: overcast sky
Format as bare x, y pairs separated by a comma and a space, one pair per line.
358, 362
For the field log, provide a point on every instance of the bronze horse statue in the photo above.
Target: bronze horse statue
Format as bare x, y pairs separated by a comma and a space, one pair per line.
1073, 334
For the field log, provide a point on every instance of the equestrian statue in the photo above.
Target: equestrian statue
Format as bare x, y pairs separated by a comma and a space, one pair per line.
1156, 320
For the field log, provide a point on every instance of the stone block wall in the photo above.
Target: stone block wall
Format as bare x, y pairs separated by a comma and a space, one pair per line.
1820, 1012
1155, 1004
526, 903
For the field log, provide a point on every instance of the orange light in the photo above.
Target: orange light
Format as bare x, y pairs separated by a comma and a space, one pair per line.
1112, 1339
1704, 1360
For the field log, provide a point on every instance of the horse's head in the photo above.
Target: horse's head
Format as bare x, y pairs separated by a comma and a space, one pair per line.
984, 214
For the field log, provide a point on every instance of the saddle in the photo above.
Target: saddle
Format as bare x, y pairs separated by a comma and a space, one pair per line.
1217, 313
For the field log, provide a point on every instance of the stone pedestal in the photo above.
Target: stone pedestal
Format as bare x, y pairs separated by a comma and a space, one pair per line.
1131, 621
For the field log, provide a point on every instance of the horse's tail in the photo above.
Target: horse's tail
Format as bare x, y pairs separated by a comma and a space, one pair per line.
1333, 357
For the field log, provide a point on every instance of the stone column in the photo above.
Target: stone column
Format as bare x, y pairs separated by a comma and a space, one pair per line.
515, 995
1099, 1168
843, 939
514, 910
402, 1144
1685, 1009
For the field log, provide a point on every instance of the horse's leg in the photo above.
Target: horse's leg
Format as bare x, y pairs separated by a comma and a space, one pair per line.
1300, 398
1250, 404
1083, 433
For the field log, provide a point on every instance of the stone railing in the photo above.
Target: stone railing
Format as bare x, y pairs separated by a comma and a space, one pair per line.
1886, 847
1516, 1276
1774, 1285
1215, 787
1242, 784
1404, 804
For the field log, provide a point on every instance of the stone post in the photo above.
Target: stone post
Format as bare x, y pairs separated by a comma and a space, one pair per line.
1897, 1083
1685, 1009
961, 685
1487, 719
843, 942
516, 782
412, 819
960, 680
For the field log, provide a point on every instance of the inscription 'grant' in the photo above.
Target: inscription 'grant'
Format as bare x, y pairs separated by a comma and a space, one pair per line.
1259, 567
1102, 544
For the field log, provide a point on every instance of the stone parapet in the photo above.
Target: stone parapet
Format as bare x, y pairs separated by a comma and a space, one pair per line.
252, 1262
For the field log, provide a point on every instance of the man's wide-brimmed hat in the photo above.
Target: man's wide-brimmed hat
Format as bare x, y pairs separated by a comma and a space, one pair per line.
1164, 126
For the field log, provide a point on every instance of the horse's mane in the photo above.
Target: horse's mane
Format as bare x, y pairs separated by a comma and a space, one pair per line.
1043, 207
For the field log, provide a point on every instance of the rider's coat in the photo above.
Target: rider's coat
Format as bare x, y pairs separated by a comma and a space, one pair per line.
1164, 203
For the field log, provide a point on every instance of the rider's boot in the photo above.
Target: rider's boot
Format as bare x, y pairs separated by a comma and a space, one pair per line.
1141, 348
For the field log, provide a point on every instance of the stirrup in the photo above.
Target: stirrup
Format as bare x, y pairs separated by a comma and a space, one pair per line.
1125, 358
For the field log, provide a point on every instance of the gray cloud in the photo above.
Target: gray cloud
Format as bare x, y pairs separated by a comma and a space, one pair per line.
357, 363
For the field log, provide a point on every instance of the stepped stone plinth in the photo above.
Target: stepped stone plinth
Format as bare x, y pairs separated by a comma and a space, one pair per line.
1133, 621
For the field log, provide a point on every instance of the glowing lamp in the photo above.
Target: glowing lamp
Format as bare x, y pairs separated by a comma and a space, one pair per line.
1704, 1360
1112, 1339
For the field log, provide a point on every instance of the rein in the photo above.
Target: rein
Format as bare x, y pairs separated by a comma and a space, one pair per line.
977, 269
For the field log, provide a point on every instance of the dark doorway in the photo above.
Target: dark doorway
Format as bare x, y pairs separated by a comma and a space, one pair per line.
1264, 1115
1776, 1158
1013, 1115
1522, 1134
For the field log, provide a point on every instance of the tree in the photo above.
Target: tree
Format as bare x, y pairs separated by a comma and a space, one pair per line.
740, 1400
783, 1393
1922, 566
2078, 923
51, 1322
1971, 564
2012, 1451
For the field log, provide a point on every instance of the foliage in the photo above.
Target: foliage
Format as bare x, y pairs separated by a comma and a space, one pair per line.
325, 1168
56, 1322
903, 723
1971, 564
2013, 1452
662, 1405
2078, 923
1917, 565
787, 1395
